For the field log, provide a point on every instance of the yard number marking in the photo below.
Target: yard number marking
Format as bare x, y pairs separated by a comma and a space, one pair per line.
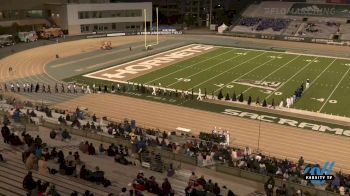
309, 60
278, 93
333, 101
183, 79
276, 57
221, 85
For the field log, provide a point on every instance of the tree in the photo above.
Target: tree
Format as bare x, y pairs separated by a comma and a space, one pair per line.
249, 100
241, 99
234, 96
220, 96
264, 103
227, 98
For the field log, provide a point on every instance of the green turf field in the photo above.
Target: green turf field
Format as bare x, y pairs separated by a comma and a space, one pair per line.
264, 74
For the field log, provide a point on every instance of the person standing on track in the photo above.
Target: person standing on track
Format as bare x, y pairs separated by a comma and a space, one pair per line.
88, 91
37, 87
62, 88
94, 88
75, 88
43, 88
18, 87
56, 88
49, 88
68, 89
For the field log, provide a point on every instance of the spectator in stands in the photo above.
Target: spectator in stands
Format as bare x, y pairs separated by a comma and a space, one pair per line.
91, 149
124, 192
42, 166
101, 149
171, 170
52, 191
98, 175
230, 193
53, 153
38, 141
70, 157
166, 187
60, 157
29, 162
28, 182
84, 146
2, 158
83, 173
77, 158
110, 150
65, 135
74, 193
70, 169
216, 189
41, 187
193, 179
269, 186
5, 132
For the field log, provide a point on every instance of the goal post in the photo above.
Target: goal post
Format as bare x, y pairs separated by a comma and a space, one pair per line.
147, 45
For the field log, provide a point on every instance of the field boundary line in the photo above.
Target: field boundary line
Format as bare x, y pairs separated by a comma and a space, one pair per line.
189, 66
274, 72
286, 52
91, 57
228, 70
304, 67
346, 73
207, 68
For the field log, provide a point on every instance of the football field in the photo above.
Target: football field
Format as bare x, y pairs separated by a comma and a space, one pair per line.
258, 73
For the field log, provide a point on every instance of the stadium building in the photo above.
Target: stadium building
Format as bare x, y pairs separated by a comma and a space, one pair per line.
77, 17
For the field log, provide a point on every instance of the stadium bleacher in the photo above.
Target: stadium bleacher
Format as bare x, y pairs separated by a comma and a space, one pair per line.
294, 19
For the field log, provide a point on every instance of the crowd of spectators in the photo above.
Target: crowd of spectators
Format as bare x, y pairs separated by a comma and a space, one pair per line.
245, 159
207, 152
274, 24
249, 21
261, 24
200, 186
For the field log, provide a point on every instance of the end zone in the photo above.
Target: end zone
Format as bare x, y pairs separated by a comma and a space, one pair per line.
124, 72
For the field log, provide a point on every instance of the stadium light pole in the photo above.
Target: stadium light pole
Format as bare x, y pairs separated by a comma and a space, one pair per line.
210, 12
259, 133
144, 13
157, 26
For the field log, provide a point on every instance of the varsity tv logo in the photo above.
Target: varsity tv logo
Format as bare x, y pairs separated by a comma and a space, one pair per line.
318, 176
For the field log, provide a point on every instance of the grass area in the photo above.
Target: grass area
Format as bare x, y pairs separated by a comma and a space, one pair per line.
262, 74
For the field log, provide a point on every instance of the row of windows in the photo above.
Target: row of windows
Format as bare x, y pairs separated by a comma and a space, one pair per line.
106, 27
109, 14
20, 14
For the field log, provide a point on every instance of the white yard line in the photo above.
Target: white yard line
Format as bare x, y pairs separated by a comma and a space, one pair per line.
206, 69
255, 68
190, 66
300, 70
313, 81
333, 90
227, 70
274, 71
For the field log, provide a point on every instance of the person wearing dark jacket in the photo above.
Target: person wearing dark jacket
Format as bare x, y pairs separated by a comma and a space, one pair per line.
28, 182
5, 132
166, 187
91, 149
